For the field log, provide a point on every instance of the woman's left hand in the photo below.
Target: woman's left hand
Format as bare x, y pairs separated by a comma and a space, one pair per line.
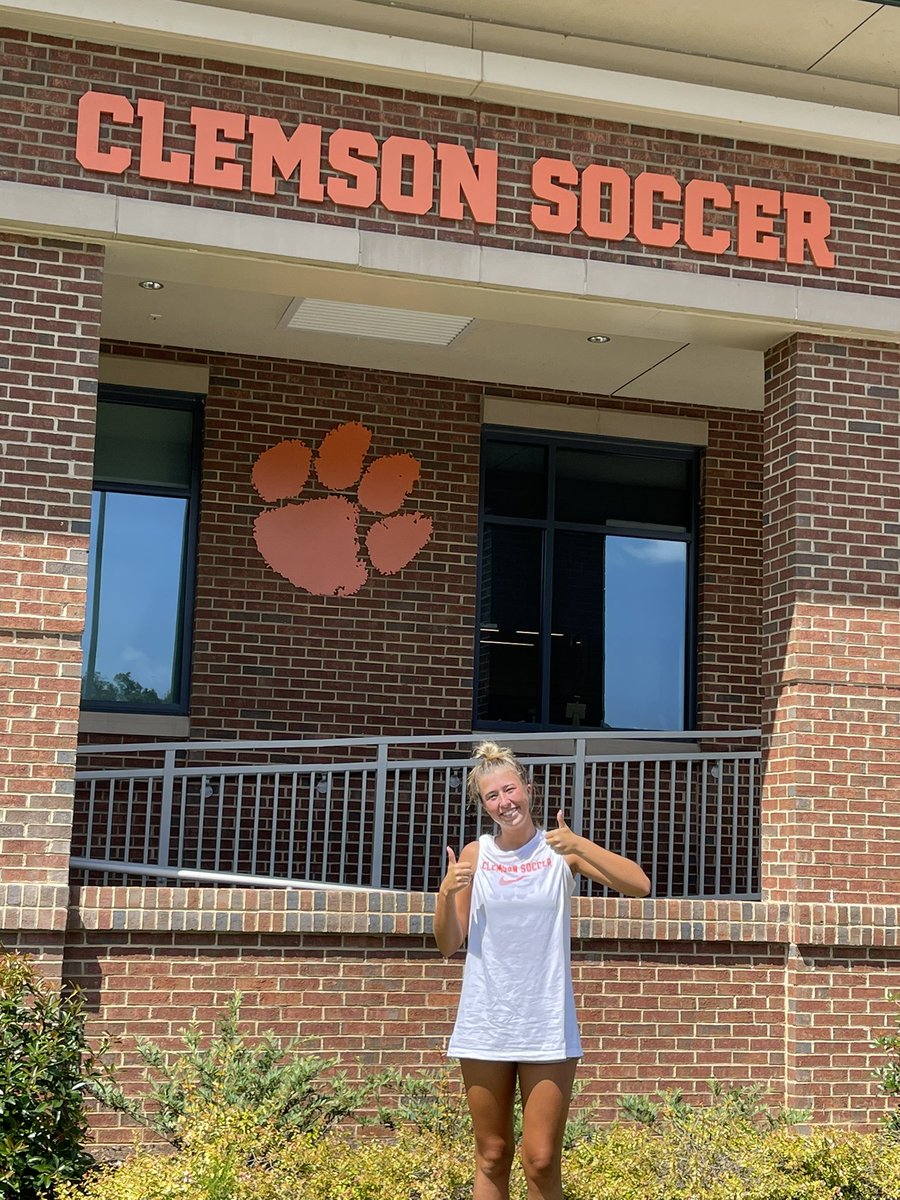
562, 839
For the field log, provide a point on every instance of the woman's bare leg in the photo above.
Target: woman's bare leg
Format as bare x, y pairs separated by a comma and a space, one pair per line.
490, 1090
546, 1091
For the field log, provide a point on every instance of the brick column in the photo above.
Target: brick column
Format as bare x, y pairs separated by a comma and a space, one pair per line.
831, 823
831, 673
50, 308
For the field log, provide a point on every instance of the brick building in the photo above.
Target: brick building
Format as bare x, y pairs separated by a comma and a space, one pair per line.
418, 375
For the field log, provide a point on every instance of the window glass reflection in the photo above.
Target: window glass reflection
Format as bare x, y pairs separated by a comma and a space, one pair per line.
595, 488
509, 675
143, 444
644, 633
576, 651
515, 481
132, 640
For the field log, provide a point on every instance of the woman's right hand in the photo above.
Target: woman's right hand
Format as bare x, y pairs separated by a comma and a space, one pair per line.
459, 875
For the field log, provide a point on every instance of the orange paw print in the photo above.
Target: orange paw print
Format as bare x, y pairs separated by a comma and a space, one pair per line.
315, 544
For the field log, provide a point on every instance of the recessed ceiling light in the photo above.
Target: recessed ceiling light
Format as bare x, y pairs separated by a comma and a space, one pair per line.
598, 339
152, 285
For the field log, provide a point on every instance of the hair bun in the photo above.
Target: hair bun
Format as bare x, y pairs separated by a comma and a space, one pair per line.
489, 751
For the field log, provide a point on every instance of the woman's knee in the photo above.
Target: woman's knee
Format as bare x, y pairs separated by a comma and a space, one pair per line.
540, 1161
495, 1156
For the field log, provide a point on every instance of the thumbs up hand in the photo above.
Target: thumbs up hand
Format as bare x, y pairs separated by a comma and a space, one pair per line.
459, 875
562, 839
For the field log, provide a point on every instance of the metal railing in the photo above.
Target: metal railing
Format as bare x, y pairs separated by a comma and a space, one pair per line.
380, 812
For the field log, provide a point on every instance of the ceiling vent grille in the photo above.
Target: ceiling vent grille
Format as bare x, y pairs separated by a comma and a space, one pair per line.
371, 321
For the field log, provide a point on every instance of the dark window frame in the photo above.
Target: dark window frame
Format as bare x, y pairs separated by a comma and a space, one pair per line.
552, 440
184, 402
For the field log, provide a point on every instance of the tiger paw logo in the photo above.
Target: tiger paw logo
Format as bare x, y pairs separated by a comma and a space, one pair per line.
315, 543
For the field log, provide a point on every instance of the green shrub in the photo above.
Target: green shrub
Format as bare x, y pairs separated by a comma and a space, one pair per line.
271, 1079
888, 1074
226, 1154
45, 1065
708, 1153
706, 1158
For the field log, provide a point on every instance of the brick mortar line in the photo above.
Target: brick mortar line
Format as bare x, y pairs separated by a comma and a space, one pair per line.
37, 631
830, 685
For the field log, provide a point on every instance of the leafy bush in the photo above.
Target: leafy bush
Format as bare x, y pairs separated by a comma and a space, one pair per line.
45, 1065
227, 1154
710, 1153
888, 1075
742, 1104
711, 1159
271, 1080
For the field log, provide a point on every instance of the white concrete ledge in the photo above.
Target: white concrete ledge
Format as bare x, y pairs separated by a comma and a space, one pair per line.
109, 219
170, 26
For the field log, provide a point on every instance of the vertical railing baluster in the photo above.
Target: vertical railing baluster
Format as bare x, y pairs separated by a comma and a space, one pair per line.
273, 837
220, 822
607, 836
673, 783
148, 821
179, 862
701, 848
165, 816
751, 825
381, 768
429, 820
257, 804
129, 814
654, 859
89, 830
345, 816
363, 806
735, 823
409, 841
201, 822
310, 814
640, 814
392, 872
445, 825
292, 826
238, 816
110, 808
578, 787
326, 840
688, 785
720, 821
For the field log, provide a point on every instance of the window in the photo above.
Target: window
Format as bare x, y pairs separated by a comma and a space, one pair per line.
586, 583
143, 539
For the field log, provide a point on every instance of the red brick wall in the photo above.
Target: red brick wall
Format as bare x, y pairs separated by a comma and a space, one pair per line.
669, 995
832, 625
271, 660
728, 641
47, 75
50, 306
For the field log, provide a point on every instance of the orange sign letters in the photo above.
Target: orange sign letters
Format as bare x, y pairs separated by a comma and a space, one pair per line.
350, 168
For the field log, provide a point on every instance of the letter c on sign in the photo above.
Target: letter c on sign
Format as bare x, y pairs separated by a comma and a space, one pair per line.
91, 107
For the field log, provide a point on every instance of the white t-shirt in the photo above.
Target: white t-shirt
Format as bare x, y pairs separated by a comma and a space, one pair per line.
517, 1003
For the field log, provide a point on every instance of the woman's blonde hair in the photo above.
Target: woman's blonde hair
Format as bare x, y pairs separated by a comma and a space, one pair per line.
491, 757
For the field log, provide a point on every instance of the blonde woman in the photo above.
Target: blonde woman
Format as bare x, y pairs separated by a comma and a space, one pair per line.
508, 895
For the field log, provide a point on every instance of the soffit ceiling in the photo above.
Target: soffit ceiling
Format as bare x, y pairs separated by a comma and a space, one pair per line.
855, 41
215, 303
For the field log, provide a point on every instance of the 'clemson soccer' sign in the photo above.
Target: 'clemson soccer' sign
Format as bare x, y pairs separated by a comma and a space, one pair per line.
352, 169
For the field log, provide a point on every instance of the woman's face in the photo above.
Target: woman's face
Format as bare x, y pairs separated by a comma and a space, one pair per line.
506, 799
